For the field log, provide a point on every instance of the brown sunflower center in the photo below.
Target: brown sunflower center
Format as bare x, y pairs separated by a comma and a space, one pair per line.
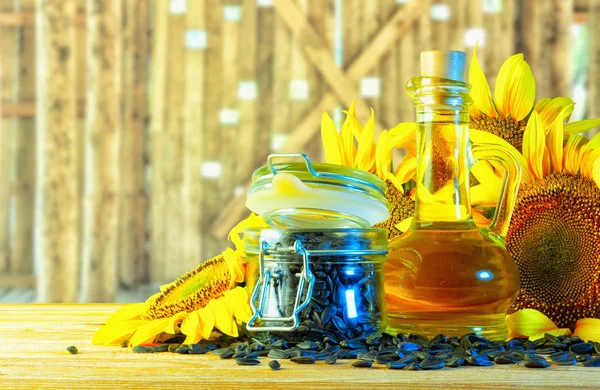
193, 290
506, 128
554, 237
401, 207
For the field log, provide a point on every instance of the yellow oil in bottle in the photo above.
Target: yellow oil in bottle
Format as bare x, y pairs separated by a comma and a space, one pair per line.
445, 275
443, 279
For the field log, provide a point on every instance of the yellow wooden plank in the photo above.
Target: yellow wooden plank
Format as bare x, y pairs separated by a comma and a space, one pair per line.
35, 338
57, 222
25, 158
133, 201
231, 52
8, 70
561, 48
265, 59
396, 27
195, 95
173, 174
213, 78
99, 280
158, 87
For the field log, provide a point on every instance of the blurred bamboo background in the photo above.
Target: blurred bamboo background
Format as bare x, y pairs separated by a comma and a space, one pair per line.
129, 128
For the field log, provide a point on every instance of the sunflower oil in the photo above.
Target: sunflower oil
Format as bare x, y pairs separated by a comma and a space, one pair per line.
445, 275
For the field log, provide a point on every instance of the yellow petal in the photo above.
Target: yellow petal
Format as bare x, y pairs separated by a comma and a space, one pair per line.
383, 154
485, 194
554, 144
483, 137
404, 135
480, 219
116, 333
354, 123
331, 141
404, 225
347, 139
127, 312
395, 182
596, 172
480, 91
581, 126
223, 316
235, 262
515, 88
485, 173
174, 324
571, 153
534, 145
586, 165
551, 109
406, 170
528, 322
236, 234
588, 329
146, 334
238, 300
554, 332
365, 157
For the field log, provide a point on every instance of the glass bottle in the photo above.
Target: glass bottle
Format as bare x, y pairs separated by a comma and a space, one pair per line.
445, 275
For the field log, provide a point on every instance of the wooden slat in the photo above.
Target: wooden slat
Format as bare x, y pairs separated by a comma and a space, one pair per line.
316, 51
195, 95
457, 23
441, 38
173, 174
280, 108
508, 28
133, 202
246, 144
561, 48
16, 280
23, 110
158, 87
24, 157
27, 18
300, 71
494, 53
369, 15
474, 19
8, 67
232, 52
405, 51
99, 280
35, 337
213, 78
57, 222
390, 94
396, 27
265, 62
531, 35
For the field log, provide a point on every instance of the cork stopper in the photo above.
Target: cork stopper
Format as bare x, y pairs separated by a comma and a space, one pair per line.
446, 64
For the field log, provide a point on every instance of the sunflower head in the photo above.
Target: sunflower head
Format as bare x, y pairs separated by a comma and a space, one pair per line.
554, 233
506, 113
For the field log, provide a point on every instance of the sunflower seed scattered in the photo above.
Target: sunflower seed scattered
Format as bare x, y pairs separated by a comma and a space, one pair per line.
303, 360
581, 348
72, 350
362, 363
274, 364
142, 349
247, 362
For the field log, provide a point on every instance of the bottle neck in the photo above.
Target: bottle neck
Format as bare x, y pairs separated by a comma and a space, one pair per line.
443, 154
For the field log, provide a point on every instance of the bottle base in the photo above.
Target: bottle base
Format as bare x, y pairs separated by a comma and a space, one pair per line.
491, 326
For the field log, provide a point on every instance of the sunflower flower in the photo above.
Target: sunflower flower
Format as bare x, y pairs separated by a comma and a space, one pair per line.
354, 146
203, 303
505, 115
554, 233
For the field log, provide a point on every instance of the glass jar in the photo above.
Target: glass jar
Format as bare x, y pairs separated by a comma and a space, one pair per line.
319, 268
320, 281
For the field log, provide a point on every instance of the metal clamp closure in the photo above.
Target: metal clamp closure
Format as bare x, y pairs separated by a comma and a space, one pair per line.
262, 286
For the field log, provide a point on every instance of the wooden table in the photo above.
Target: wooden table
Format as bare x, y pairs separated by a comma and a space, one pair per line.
34, 338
